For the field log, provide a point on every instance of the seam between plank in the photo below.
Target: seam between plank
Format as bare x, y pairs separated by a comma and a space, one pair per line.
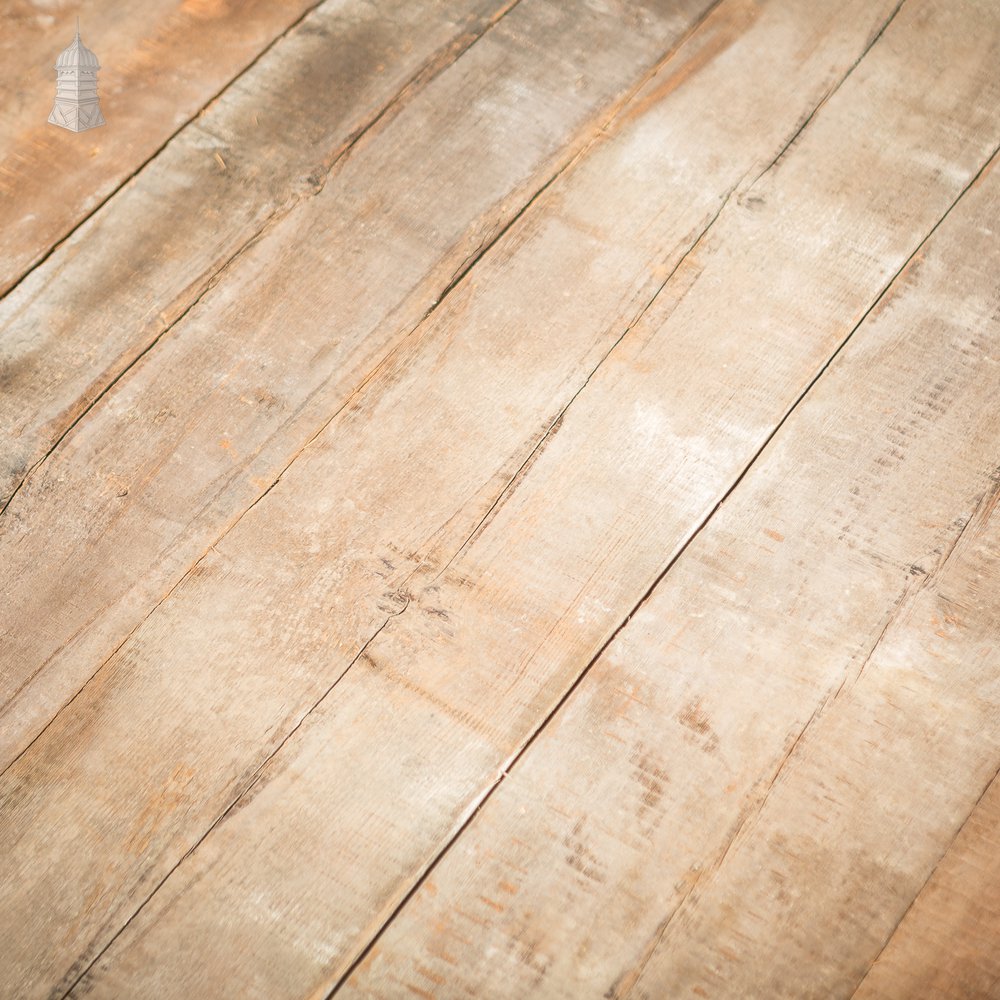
555, 424
833, 90
233, 806
40, 260
595, 128
518, 754
437, 63
925, 883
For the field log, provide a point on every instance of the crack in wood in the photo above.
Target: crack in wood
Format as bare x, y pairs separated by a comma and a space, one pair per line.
553, 427
426, 74
833, 90
512, 761
627, 981
916, 584
930, 875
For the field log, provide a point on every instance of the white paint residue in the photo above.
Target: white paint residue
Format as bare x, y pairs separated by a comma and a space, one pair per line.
649, 423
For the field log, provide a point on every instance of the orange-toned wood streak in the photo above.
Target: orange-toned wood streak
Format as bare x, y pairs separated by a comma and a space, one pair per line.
161, 63
946, 944
553, 521
194, 433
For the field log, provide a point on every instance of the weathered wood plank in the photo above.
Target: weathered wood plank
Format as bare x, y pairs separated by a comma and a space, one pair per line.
946, 945
161, 63
455, 682
268, 143
149, 830
877, 787
207, 422
673, 833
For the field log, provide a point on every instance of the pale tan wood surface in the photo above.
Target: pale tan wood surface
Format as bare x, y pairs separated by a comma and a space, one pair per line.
469, 665
466, 114
754, 779
946, 944
162, 61
857, 818
197, 431
271, 140
238, 800
148, 831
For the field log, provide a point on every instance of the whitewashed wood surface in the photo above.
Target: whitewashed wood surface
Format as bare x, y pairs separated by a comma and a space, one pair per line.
499, 501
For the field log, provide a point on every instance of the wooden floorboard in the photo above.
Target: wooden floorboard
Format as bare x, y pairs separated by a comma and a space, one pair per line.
233, 412
750, 780
162, 62
527, 526
945, 945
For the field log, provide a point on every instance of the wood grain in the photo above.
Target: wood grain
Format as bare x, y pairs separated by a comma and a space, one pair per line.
946, 944
270, 142
757, 775
204, 425
475, 648
161, 63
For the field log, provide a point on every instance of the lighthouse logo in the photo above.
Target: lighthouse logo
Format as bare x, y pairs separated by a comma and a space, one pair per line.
77, 107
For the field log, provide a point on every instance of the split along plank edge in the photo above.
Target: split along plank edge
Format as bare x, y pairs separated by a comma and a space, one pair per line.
190, 437
421, 671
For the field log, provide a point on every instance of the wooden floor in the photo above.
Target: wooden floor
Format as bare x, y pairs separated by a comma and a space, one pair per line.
499, 500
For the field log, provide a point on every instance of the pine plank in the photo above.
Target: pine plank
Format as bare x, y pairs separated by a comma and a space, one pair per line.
125, 278
161, 63
204, 424
151, 848
946, 944
465, 667
756, 776
877, 788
